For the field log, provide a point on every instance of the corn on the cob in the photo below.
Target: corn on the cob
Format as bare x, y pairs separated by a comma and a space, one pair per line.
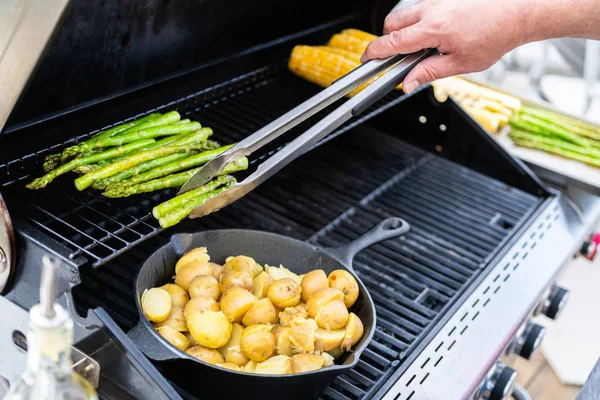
360, 35
350, 55
346, 42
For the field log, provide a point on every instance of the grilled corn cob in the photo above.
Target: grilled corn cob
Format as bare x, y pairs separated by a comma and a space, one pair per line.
350, 55
347, 42
358, 34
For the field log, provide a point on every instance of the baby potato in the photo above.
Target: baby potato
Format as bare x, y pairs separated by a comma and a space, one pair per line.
190, 271
258, 343
328, 359
353, 333
217, 270
244, 264
200, 303
261, 285
209, 328
177, 339
189, 337
277, 365
302, 306
262, 312
303, 335
198, 254
307, 362
177, 324
236, 302
281, 272
344, 281
335, 353
283, 342
231, 351
176, 313
179, 296
322, 297
313, 282
156, 304
250, 366
210, 356
284, 293
329, 340
286, 315
333, 315
206, 285
235, 279
230, 366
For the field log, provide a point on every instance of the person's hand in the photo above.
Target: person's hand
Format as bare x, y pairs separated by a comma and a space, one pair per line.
471, 35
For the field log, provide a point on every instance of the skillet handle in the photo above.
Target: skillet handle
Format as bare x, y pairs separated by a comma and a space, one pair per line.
149, 344
387, 229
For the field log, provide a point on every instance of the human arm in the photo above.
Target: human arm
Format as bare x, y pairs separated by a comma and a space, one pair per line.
472, 35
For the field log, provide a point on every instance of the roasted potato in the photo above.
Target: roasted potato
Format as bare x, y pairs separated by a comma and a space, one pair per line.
261, 285
177, 324
244, 264
281, 272
235, 279
286, 315
262, 312
177, 339
353, 333
206, 285
200, 303
328, 340
284, 293
179, 296
335, 353
307, 362
189, 336
190, 271
232, 352
236, 302
328, 359
333, 315
345, 282
322, 297
283, 342
258, 343
277, 365
230, 366
209, 328
198, 255
250, 366
312, 283
156, 304
210, 356
303, 335
217, 270
176, 313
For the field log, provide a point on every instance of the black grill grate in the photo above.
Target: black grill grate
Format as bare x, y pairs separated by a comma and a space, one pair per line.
336, 193
96, 230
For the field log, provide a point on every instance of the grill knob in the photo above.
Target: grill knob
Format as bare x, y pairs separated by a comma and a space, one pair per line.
499, 385
589, 249
555, 302
530, 340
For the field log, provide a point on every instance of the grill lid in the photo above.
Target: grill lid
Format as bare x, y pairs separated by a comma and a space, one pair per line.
25, 28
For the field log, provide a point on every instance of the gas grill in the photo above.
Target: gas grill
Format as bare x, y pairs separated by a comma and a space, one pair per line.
453, 296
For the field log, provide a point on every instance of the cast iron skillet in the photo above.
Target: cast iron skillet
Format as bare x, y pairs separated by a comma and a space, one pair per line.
208, 381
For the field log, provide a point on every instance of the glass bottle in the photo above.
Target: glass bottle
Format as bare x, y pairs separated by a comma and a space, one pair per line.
49, 375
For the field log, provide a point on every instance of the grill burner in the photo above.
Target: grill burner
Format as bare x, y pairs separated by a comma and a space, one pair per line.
329, 196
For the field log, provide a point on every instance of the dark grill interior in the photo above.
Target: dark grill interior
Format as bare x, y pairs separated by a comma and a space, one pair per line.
334, 194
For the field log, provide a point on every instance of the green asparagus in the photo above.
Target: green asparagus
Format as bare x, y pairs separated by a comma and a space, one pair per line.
557, 150
179, 201
178, 214
577, 126
189, 162
85, 181
530, 123
516, 134
176, 180
92, 159
86, 169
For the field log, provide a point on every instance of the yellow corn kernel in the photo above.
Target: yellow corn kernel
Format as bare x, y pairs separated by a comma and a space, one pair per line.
350, 55
349, 43
360, 35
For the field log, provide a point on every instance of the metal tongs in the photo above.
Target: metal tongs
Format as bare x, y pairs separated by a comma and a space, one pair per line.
395, 70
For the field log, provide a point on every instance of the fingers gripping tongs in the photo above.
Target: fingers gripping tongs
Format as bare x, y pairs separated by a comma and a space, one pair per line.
395, 70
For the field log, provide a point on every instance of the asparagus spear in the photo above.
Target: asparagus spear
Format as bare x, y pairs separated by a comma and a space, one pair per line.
577, 126
178, 214
54, 160
94, 158
86, 169
170, 181
557, 150
179, 201
530, 123
189, 162
516, 134
83, 182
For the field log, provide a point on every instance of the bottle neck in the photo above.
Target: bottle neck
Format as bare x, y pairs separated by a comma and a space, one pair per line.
49, 342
